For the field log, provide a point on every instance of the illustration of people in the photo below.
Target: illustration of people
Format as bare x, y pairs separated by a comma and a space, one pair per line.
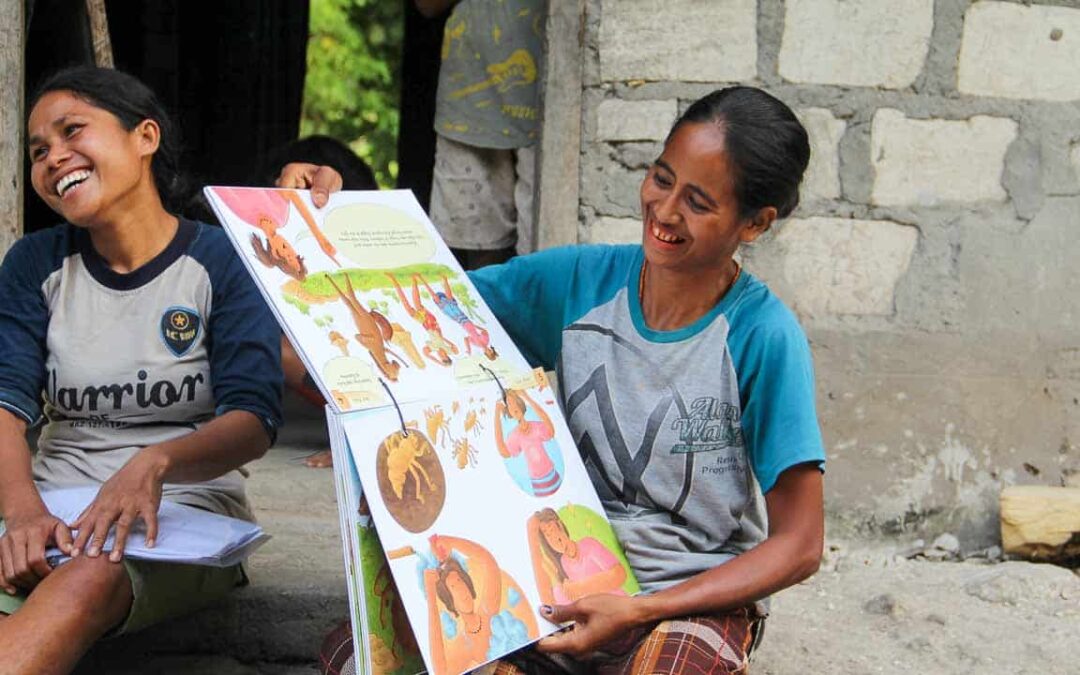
437, 347
475, 611
267, 211
566, 569
528, 438
474, 335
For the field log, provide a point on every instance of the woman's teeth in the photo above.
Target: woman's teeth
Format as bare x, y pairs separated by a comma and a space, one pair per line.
665, 237
70, 180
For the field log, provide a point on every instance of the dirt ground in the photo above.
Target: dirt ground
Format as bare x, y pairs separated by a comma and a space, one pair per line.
884, 610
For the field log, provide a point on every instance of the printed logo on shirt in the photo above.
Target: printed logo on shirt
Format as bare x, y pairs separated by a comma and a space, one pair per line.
710, 425
179, 329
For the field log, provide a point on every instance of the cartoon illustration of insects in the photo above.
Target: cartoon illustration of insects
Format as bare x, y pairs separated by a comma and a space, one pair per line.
472, 423
403, 461
373, 331
455, 407
464, 453
267, 211
437, 422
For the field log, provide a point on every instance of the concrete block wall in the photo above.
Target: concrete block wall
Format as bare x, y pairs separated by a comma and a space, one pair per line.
932, 259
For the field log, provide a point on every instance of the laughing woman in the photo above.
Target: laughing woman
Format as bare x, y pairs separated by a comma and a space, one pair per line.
140, 340
689, 390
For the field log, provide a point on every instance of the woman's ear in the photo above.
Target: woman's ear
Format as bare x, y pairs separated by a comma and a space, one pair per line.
148, 136
758, 225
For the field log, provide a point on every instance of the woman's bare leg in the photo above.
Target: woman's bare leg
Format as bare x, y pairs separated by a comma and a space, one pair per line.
63, 617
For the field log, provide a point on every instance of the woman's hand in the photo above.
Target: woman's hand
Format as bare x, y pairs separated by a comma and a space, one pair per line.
597, 619
22, 549
321, 180
132, 493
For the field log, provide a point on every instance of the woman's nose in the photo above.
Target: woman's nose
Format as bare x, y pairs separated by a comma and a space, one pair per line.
667, 208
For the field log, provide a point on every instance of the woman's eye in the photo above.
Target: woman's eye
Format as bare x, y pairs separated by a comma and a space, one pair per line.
37, 153
661, 180
72, 129
697, 206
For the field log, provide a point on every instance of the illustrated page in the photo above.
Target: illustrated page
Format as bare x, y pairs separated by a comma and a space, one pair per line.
485, 511
367, 292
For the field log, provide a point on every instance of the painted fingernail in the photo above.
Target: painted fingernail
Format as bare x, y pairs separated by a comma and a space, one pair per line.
93, 552
546, 609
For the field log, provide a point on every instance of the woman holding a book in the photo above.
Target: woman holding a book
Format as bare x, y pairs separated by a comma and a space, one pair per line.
158, 361
689, 389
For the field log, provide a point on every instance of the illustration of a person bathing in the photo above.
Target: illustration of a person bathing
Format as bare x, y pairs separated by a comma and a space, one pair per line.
436, 347
481, 620
448, 304
567, 569
528, 439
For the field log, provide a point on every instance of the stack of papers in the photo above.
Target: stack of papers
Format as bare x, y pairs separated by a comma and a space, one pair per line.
185, 534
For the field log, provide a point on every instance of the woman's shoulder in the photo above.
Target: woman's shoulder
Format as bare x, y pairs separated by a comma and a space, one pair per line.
44, 251
758, 309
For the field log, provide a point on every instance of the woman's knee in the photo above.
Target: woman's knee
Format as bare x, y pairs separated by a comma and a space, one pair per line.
91, 587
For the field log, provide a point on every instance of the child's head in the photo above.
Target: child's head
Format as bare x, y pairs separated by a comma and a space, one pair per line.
324, 151
130, 103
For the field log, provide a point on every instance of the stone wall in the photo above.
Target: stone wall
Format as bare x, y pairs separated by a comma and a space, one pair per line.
932, 258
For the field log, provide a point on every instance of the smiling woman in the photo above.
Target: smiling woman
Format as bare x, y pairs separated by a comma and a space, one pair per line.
141, 341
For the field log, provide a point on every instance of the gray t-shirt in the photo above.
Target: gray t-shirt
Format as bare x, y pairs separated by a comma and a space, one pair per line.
682, 431
117, 362
489, 77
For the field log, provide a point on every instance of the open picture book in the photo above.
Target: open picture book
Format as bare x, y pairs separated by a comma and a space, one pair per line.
444, 441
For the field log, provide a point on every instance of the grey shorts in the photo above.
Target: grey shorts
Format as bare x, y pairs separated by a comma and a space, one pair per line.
482, 198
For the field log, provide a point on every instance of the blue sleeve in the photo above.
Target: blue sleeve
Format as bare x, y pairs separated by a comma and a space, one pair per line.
24, 322
776, 387
535, 296
245, 341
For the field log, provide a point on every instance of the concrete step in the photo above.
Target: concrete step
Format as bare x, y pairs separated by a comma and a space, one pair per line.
297, 591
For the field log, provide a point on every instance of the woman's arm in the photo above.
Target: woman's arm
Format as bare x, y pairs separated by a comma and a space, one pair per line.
435, 631
500, 442
791, 553
223, 444
609, 580
548, 426
30, 528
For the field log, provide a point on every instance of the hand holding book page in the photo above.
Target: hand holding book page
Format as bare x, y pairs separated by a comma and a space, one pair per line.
185, 534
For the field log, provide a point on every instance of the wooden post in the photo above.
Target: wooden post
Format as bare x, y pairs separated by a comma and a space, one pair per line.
99, 33
12, 50
558, 157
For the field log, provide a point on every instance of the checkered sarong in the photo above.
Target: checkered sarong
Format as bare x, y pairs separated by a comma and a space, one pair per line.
704, 644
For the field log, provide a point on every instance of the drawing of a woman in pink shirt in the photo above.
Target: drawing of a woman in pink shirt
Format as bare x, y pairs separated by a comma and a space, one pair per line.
528, 439
567, 570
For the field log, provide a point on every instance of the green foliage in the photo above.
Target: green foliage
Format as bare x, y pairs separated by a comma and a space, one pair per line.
353, 75
297, 303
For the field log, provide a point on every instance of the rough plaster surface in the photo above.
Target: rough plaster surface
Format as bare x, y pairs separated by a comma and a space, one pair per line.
619, 120
608, 230
822, 178
868, 44
926, 162
687, 40
1022, 52
838, 266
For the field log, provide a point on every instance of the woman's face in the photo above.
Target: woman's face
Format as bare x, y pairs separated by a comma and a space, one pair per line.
689, 211
555, 536
515, 407
83, 162
459, 591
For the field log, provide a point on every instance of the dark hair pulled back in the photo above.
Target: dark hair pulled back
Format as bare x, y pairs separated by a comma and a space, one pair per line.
131, 101
767, 147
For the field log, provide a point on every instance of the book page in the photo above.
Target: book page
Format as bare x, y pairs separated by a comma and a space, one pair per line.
485, 511
367, 292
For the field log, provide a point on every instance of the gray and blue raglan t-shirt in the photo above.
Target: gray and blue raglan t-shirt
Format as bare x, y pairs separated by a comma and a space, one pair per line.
115, 362
682, 431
